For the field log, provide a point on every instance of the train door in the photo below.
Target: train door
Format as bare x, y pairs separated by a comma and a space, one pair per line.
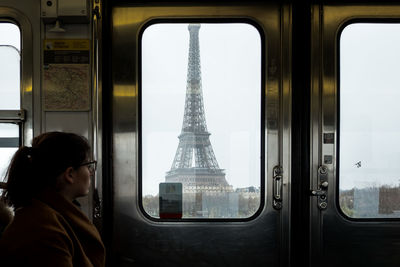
355, 196
201, 135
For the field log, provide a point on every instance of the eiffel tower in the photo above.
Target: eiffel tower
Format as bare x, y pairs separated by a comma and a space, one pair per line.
195, 165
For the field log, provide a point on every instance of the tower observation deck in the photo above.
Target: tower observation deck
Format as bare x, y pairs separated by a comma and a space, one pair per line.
195, 165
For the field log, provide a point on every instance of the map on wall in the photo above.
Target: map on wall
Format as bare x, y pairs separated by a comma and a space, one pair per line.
66, 87
66, 75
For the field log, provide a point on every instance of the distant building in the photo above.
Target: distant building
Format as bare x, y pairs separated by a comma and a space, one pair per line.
389, 200
377, 202
247, 192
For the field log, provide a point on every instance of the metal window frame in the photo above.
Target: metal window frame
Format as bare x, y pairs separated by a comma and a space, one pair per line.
24, 116
277, 87
261, 98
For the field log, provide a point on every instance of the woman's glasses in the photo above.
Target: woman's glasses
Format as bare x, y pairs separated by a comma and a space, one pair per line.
92, 165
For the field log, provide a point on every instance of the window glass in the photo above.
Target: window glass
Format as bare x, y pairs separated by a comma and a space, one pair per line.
10, 35
9, 142
9, 66
369, 120
201, 120
10, 69
9, 78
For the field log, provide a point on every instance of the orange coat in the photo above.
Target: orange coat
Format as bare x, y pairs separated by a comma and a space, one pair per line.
51, 231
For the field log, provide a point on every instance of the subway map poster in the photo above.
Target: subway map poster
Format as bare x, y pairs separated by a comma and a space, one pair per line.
66, 75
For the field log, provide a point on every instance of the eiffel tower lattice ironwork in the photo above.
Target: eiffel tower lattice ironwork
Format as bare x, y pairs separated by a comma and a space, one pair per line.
195, 165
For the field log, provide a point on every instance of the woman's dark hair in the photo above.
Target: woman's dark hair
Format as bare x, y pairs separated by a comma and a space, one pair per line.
35, 168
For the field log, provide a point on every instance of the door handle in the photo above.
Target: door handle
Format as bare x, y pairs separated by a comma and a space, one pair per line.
322, 192
277, 188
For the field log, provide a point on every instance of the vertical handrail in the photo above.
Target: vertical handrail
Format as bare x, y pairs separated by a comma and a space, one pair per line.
95, 113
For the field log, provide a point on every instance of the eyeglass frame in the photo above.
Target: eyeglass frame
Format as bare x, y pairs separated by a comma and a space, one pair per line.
91, 167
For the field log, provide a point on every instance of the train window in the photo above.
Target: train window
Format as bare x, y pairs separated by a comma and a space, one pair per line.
369, 173
201, 119
9, 143
9, 66
10, 98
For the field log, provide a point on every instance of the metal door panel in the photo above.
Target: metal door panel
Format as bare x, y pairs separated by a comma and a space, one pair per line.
337, 240
140, 241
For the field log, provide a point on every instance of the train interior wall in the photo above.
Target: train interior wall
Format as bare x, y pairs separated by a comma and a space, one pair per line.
53, 119
95, 121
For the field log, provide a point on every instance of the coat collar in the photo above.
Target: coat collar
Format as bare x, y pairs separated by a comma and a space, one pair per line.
84, 229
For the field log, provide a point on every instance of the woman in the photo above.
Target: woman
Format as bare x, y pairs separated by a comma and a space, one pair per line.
48, 229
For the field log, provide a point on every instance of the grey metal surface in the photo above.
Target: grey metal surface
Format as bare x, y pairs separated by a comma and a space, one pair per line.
14, 116
139, 241
335, 239
68, 122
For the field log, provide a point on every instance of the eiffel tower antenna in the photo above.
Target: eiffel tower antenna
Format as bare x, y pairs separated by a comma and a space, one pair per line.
195, 165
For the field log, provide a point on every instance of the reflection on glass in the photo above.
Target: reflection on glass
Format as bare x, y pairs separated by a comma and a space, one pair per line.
201, 117
369, 176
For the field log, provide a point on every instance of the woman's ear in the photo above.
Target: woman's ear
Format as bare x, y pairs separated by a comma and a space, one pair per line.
69, 175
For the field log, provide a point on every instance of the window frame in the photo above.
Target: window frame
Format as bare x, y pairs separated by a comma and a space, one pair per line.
24, 116
263, 116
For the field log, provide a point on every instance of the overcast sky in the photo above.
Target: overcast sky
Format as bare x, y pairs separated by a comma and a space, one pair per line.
9, 73
231, 81
370, 109
9, 84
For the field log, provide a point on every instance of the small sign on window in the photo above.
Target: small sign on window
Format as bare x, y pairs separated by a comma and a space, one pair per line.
170, 196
